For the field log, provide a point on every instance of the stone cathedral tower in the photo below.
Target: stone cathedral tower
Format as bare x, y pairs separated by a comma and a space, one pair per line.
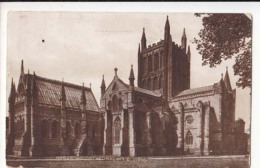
164, 67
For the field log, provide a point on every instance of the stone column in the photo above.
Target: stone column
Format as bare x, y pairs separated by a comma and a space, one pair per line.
122, 128
206, 128
26, 139
199, 149
131, 133
220, 131
11, 136
63, 120
105, 134
148, 130
182, 115
34, 149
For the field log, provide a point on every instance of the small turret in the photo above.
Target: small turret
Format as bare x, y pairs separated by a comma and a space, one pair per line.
83, 100
34, 89
167, 29
103, 86
28, 83
143, 40
12, 93
227, 81
184, 41
22, 68
28, 89
115, 71
140, 63
62, 93
83, 95
131, 79
188, 53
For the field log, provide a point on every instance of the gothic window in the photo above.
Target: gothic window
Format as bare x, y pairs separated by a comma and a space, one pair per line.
109, 105
115, 103
16, 127
156, 61
22, 126
45, 129
120, 104
77, 129
150, 64
68, 129
189, 138
145, 65
155, 85
160, 82
117, 128
54, 129
149, 84
161, 59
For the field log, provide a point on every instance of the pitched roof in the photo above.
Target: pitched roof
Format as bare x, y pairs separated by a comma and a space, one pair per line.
49, 92
148, 92
196, 90
136, 89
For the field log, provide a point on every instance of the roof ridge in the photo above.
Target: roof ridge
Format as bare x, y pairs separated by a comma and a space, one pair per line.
60, 82
182, 93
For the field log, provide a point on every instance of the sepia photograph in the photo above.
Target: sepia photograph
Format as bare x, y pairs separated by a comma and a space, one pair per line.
128, 89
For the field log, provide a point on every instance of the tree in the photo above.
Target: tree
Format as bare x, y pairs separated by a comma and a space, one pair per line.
226, 36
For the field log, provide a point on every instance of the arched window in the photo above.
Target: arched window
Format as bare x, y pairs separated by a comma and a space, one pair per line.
54, 129
155, 86
189, 138
45, 129
77, 129
145, 65
161, 59
109, 105
117, 128
156, 61
115, 103
68, 129
150, 64
22, 126
120, 104
17, 128
149, 84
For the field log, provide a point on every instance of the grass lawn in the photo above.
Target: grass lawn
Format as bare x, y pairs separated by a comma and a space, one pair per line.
174, 162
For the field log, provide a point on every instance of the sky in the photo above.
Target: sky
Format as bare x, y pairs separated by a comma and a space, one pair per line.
81, 47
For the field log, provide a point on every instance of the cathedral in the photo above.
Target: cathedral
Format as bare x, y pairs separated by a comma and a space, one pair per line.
160, 116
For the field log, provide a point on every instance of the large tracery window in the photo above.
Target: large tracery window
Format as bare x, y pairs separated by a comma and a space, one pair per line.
120, 105
189, 138
115, 103
117, 128
109, 105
